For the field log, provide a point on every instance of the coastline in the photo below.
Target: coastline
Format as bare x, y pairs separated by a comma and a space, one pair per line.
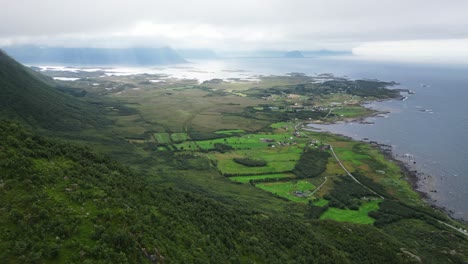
419, 181
413, 177
410, 175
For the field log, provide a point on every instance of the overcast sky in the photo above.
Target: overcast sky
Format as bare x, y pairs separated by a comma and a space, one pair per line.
368, 27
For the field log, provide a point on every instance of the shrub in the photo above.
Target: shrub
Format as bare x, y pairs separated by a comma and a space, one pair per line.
250, 162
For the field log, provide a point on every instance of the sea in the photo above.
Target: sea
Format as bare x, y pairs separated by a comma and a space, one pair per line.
428, 130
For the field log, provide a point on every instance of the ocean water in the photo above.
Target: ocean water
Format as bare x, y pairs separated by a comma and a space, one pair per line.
428, 130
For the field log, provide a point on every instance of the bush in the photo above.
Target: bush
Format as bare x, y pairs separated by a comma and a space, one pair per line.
347, 194
312, 163
314, 212
250, 162
223, 148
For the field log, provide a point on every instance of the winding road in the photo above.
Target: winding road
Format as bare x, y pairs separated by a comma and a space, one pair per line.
350, 175
297, 128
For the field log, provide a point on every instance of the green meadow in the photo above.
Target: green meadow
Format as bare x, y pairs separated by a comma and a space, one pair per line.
296, 190
353, 216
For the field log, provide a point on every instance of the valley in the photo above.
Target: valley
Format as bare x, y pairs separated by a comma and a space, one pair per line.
189, 171
252, 133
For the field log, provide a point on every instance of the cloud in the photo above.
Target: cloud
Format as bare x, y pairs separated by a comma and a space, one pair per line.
227, 25
444, 51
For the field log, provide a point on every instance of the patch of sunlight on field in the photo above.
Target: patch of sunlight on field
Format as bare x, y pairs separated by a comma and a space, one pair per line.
353, 216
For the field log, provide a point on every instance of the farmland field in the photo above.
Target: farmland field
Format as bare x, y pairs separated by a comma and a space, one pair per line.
229, 132
179, 137
353, 216
288, 189
162, 138
352, 111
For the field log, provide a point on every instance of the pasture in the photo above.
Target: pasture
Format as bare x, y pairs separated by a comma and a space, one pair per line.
296, 190
353, 216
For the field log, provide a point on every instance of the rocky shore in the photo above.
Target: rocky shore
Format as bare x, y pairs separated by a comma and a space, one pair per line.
419, 181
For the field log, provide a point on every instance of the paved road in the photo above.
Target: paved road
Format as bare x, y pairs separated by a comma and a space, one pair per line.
453, 227
320, 186
357, 181
350, 175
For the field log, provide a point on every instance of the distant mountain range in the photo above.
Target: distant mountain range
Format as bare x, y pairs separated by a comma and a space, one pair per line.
29, 54
94, 56
197, 54
293, 54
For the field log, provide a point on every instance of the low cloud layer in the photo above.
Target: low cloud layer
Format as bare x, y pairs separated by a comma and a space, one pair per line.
443, 51
366, 26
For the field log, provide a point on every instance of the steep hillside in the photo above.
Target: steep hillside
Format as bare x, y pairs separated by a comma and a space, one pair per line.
30, 98
62, 203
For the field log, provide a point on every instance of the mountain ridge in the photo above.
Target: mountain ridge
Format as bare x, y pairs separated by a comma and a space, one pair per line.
32, 99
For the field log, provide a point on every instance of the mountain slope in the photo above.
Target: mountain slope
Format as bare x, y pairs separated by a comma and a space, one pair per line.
30, 98
62, 203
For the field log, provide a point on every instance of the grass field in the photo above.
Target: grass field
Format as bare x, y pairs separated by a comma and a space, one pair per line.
321, 202
282, 124
347, 155
280, 159
229, 132
352, 111
249, 141
288, 189
230, 167
353, 216
179, 137
246, 179
162, 138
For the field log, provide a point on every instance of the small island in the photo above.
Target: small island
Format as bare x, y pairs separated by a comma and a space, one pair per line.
294, 54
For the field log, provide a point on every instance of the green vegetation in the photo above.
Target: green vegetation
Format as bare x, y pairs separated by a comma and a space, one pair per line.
282, 124
230, 132
89, 209
321, 202
31, 98
162, 138
351, 111
179, 137
297, 191
347, 193
312, 163
62, 203
260, 178
223, 148
250, 162
360, 216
